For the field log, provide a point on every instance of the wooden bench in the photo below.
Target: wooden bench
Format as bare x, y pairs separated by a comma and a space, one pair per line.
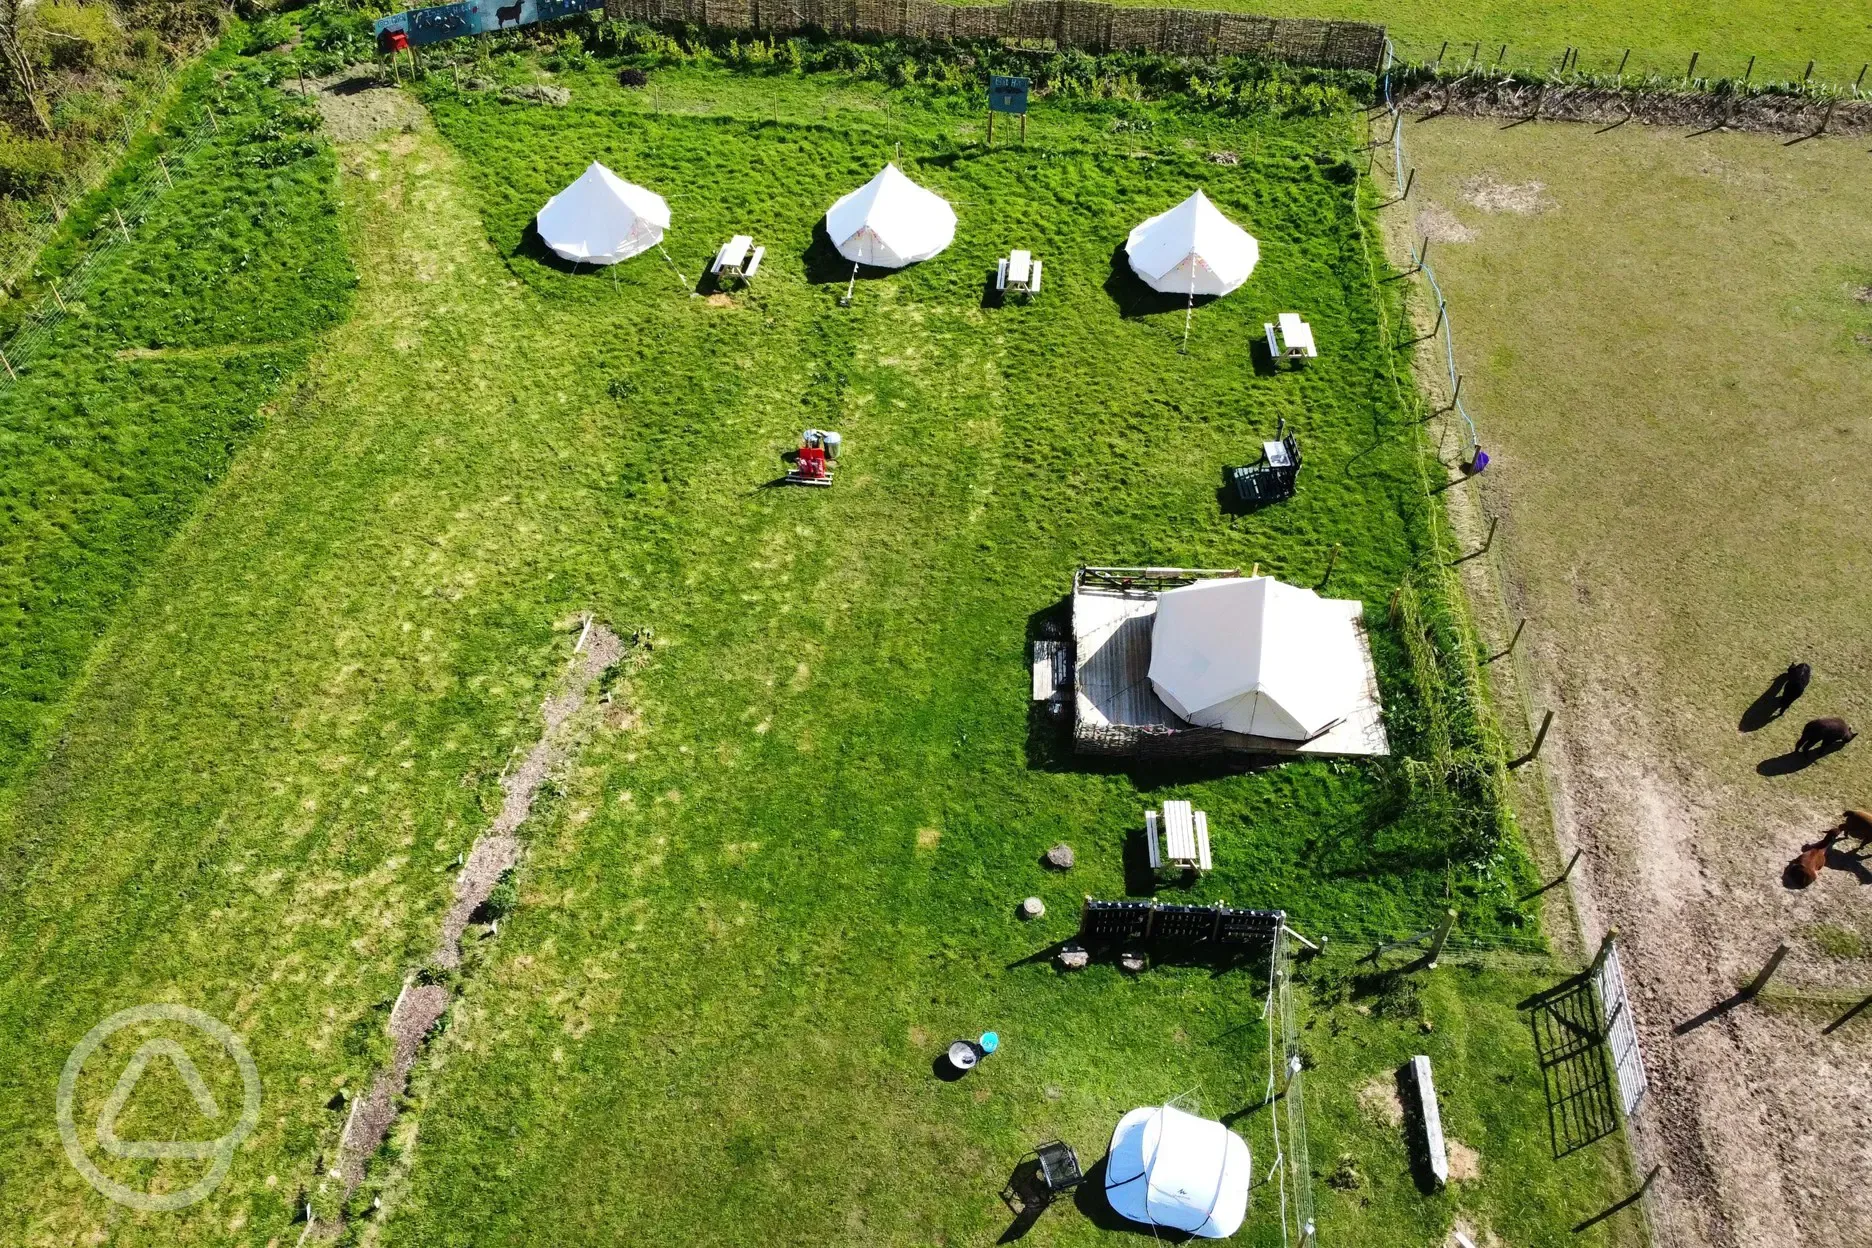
1424, 1088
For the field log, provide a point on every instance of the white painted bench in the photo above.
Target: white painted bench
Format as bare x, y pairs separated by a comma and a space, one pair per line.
1432, 1118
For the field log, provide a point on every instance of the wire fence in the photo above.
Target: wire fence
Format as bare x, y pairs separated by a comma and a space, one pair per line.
1832, 68
1401, 178
21, 250
112, 231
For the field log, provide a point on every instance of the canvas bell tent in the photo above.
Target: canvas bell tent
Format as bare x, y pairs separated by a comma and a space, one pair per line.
1192, 249
1257, 656
602, 219
890, 222
1172, 1169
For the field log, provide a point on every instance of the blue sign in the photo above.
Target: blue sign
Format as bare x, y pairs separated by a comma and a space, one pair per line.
1007, 95
474, 17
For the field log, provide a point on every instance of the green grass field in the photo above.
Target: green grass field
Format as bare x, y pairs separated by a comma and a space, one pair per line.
759, 904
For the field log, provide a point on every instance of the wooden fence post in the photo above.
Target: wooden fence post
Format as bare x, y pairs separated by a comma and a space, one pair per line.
1809, 74
1540, 739
1441, 936
59, 297
9, 366
1514, 640
1749, 72
1621, 62
120, 223
164, 166
1409, 178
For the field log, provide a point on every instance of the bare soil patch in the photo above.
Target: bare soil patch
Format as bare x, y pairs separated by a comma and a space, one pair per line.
1465, 1164
355, 106
1490, 194
496, 852
1379, 1098
1439, 225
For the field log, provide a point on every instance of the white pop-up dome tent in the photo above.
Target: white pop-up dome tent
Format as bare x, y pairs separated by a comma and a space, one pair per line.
890, 221
1255, 655
1192, 249
1172, 1169
602, 219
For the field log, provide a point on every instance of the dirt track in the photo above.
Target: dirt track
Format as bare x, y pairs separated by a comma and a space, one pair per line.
1667, 581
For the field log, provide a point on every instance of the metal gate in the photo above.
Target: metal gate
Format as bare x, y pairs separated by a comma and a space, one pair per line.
1620, 1031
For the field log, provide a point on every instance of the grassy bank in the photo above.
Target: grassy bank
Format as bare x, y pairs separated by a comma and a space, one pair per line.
127, 413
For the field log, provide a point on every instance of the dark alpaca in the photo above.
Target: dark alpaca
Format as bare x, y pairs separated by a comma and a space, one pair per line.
1822, 736
508, 13
1792, 683
1856, 824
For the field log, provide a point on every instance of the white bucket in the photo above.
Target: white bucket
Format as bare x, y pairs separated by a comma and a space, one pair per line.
831, 441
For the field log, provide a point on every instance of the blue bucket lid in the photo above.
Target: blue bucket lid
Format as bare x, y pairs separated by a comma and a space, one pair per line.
990, 1042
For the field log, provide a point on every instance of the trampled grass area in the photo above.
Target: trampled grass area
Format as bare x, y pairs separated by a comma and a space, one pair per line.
765, 898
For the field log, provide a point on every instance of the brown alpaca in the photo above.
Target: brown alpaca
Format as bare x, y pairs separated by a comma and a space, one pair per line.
1813, 859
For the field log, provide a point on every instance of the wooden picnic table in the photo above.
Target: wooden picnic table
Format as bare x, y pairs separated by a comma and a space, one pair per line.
1019, 272
1185, 833
738, 257
1296, 339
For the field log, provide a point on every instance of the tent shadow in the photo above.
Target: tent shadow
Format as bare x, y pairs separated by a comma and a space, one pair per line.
532, 247
1136, 300
824, 266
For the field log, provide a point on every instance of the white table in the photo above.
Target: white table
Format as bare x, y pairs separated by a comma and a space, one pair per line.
738, 258
1296, 338
1185, 837
1019, 272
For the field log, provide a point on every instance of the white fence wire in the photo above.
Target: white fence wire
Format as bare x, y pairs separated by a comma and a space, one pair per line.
113, 230
1401, 178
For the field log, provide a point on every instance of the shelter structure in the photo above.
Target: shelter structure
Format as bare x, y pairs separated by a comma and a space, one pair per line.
1178, 662
1192, 249
890, 222
1256, 656
1170, 1168
602, 219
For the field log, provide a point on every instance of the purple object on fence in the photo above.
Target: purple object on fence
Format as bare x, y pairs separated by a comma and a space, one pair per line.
1477, 462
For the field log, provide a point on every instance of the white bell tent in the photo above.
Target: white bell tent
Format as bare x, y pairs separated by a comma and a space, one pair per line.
890, 222
1257, 656
1192, 249
602, 219
1172, 1169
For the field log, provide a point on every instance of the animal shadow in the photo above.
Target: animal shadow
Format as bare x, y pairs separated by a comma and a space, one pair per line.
1776, 698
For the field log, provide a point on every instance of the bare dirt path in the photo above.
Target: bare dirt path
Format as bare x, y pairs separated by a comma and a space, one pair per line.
495, 853
1627, 335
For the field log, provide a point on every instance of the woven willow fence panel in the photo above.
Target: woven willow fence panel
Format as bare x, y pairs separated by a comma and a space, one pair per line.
1062, 23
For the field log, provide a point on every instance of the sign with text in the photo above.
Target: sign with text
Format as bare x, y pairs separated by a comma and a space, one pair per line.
1007, 95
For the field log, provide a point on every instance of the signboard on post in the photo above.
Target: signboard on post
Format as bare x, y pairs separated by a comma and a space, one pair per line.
471, 17
1007, 94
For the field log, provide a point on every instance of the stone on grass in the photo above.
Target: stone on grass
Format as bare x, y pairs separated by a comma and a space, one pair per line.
1032, 908
1131, 960
1060, 857
539, 93
1073, 958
